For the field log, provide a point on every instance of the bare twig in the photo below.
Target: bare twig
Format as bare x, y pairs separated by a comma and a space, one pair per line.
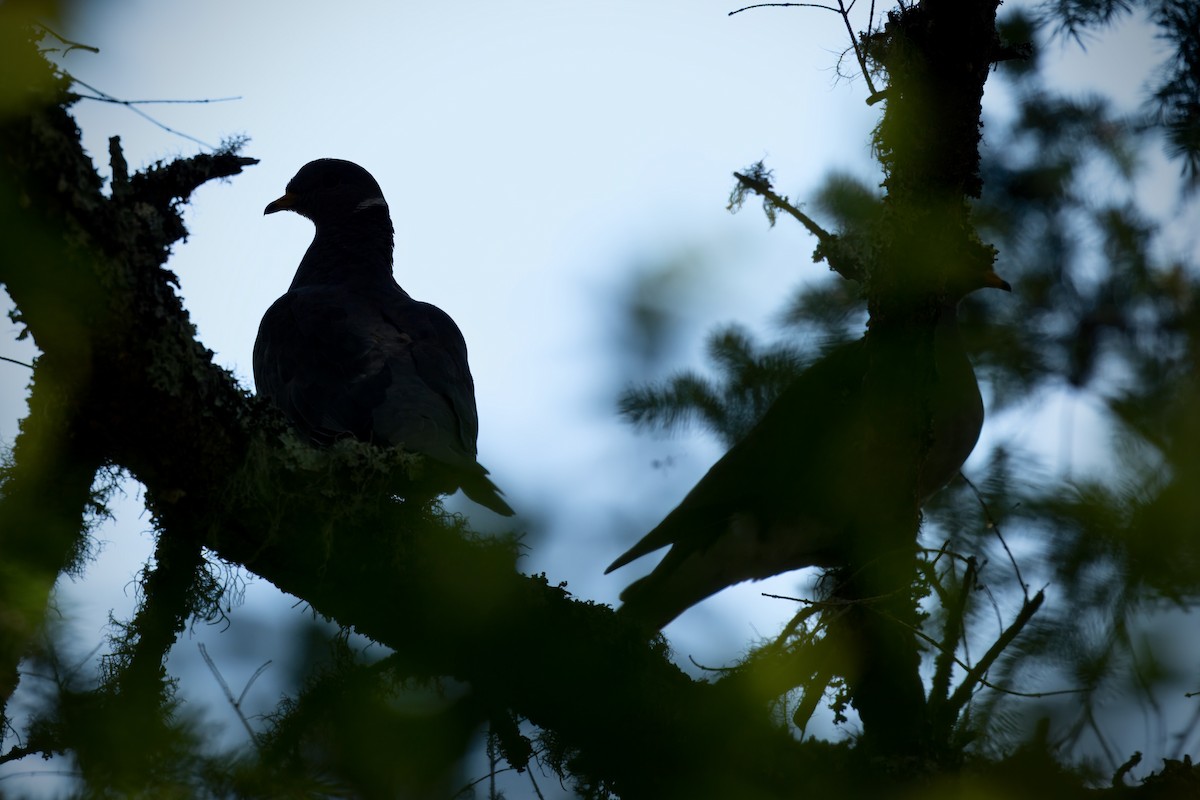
71, 45
1118, 778
794, 623
823, 604
920, 634
842, 11
763, 188
236, 704
987, 513
130, 104
60, 773
15, 361
472, 784
782, 5
975, 674
951, 633
1100, 737
537, 789
103, 98
257, 674
858, 53
698, 665
18, 752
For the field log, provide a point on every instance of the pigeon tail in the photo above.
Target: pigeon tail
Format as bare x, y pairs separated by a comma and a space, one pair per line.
747, 547
481, 489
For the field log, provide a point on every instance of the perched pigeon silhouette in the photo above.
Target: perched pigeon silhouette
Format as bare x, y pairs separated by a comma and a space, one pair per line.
347, 352
783, 497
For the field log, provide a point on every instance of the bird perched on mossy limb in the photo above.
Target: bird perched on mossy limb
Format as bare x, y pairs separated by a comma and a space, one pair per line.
347, 353
790, 494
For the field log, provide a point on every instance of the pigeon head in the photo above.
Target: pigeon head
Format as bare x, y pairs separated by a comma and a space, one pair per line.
330, 190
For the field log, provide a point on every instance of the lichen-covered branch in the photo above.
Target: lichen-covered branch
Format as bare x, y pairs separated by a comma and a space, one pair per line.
87, 273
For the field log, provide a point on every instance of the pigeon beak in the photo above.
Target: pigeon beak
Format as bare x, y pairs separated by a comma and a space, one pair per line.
285, 203
990, 279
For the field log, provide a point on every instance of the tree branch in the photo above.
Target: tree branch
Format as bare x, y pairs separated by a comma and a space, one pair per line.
323, 525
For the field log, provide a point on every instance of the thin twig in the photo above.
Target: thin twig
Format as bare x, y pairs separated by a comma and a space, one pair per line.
19, 752
105, 97
472, 784
537, 789
58, 773
1100, 737
236, 704
862, 60
975, 674
698, 665
987, 514
71, 45
943, 551
763, 188
982, 681
783, 5
108, 98
821, 604
15, 361
257, 674
951, 633
796, 621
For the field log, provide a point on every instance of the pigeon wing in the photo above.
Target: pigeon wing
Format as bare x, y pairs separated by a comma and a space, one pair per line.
309, 362
769, 476
430, 400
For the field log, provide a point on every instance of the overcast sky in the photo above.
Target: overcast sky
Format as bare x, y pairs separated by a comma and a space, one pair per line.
538, 157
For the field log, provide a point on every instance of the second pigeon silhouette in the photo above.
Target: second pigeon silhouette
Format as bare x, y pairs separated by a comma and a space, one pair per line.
783, 497
347, 352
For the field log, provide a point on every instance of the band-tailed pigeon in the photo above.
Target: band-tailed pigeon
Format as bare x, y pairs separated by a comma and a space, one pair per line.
780, 499
346, 351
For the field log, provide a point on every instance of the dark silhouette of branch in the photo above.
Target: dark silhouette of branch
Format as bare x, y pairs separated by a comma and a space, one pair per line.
71, 45
782, 5
841, 260
956, 612
105, 98
234, 703
975, 675
763, 188
16, 753
15, 361
220, 469
842, 11
993, 525
102, 96
1118, 778
858, 53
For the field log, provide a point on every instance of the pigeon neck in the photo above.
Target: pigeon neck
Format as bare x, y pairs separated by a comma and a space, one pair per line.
948, 351
360, 247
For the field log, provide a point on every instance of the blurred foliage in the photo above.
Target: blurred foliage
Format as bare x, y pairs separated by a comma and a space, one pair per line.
1173, 105
1103, 309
